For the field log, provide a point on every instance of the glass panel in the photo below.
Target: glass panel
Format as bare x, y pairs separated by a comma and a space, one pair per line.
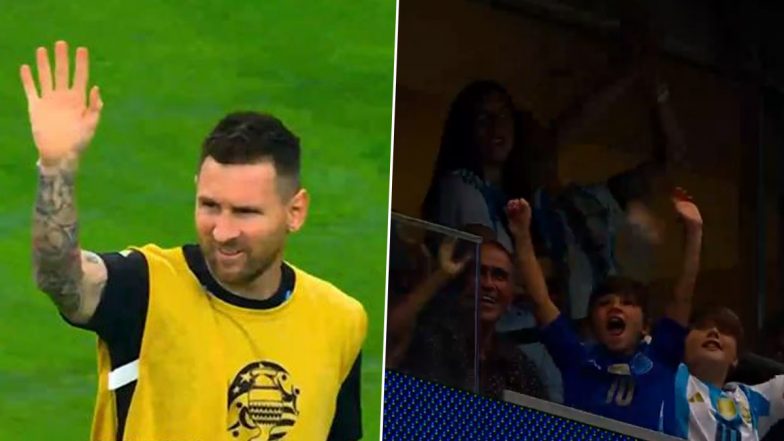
431, 306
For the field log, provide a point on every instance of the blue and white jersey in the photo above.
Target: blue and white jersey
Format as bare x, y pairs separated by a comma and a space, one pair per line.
466, 199
737, 412
635, 388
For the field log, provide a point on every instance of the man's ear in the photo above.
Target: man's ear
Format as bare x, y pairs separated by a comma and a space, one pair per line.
297, 210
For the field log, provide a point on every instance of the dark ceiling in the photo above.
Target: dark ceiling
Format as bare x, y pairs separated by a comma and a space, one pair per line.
741, 39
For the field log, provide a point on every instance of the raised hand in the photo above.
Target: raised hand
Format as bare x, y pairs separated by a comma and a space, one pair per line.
519, 214
62, 119
679, 307
447, 261
687, 210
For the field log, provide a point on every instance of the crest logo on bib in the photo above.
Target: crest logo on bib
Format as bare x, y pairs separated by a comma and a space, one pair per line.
262, 403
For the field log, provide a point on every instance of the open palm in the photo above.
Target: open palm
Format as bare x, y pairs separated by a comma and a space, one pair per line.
451, 264
62, 120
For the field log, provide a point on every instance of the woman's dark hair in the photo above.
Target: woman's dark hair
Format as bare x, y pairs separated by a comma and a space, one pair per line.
457, 150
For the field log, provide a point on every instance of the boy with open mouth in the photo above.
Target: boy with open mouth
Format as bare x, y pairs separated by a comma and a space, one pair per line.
622, 376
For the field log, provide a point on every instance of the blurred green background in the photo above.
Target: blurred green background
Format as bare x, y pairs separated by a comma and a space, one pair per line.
168, 71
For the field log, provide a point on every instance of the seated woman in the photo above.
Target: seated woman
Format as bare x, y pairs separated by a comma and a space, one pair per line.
469, 184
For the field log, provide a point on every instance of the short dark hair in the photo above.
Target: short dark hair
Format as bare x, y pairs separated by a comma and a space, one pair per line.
253, 137
725, 320
470, 253
498, 246
622, 286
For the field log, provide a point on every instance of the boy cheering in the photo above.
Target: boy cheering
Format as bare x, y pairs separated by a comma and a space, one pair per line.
623, 376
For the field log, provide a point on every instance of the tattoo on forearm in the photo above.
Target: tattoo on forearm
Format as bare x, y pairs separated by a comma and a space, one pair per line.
56, 253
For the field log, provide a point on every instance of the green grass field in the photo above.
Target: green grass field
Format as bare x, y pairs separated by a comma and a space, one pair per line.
168, 70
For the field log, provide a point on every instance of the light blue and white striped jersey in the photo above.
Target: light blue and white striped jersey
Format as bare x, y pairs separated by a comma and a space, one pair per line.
737, 412
466, 199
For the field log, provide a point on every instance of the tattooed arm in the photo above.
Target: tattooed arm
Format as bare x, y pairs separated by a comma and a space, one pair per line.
63, 123
74, 279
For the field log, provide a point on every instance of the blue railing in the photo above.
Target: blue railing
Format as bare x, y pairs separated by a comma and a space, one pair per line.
415, 409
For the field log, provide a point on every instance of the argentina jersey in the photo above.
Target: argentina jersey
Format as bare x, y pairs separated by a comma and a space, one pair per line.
736, 412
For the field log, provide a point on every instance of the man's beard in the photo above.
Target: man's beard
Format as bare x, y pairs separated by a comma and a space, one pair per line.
252, 269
